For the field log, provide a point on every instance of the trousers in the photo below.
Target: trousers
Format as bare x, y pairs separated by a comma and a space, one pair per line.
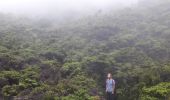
109, 96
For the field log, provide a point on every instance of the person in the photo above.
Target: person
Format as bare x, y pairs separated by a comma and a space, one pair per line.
110, 87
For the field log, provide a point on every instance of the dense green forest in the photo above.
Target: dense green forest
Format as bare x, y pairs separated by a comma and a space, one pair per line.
45, 60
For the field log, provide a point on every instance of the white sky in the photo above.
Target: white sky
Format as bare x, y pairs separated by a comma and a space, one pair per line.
58, 6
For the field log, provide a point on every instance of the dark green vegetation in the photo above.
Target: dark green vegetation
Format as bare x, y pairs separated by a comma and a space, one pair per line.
41, 60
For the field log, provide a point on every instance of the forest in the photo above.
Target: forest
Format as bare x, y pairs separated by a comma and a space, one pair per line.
46, 60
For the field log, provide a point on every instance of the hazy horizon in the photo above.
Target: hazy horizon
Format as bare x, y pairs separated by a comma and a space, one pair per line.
60, 7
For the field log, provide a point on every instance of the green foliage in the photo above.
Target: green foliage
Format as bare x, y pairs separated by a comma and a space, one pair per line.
13, 82
10, 90
10, 74
12, 77
78, 95
157, 92
43, 60
66, 87
69, 70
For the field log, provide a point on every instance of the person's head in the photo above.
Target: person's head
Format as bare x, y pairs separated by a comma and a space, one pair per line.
109, 75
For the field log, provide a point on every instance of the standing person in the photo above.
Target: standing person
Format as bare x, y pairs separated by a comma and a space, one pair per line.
110, 87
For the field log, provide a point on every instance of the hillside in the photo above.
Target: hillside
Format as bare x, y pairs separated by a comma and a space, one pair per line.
42, 60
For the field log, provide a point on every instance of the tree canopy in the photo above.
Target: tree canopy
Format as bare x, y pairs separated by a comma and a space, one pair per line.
41, 60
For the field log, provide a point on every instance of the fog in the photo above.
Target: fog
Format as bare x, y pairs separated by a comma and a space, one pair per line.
61, 8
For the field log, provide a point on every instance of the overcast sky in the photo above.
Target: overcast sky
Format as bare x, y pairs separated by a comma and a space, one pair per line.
44, 7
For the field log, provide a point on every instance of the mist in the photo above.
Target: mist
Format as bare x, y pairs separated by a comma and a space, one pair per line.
61, 8
66, 49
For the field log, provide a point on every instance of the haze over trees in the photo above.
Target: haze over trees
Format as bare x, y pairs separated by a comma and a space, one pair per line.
47, 59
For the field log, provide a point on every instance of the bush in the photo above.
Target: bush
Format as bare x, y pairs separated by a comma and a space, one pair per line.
10, 90
157, 92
